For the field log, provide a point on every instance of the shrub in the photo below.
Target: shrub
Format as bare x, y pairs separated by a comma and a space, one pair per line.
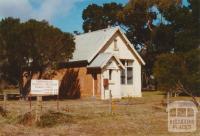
51, 118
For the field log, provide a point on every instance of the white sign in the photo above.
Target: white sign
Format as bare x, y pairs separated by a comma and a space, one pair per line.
182, 116
44, 87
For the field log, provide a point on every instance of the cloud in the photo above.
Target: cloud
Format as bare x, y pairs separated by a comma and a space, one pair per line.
37, 9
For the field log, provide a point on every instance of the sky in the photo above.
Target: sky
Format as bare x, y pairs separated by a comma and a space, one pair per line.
64, 14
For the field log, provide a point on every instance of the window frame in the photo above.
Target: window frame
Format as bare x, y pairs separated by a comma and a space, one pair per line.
115, 45
110, 74
125, 76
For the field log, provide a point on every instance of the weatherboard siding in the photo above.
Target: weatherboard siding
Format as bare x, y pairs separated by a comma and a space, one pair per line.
124, 52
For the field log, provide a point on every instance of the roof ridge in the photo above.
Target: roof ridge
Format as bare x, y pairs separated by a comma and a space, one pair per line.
105, 53
114, 27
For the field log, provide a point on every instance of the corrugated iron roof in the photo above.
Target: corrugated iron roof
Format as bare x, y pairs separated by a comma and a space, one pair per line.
87, 44
102, 59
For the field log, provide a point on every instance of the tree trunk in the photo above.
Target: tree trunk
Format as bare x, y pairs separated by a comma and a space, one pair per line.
180, 86
26, 88
21, 84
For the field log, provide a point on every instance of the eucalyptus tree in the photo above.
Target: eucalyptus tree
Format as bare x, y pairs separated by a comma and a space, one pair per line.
32, 46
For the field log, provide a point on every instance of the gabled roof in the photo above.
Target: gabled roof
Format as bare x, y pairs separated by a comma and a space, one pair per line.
102, 59
89, 44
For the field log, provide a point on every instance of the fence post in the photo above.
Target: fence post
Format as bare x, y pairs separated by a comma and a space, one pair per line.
5, 100
38, 108
58, 106
168, 97
30, 103
167, 100
110, 107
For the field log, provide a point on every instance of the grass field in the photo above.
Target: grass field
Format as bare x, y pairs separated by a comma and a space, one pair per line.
144, 116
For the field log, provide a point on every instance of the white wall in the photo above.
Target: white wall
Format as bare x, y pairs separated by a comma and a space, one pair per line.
135, 89
125, 53
114, 84
137, 79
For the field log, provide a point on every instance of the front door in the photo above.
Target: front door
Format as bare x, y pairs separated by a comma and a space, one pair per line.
113, 77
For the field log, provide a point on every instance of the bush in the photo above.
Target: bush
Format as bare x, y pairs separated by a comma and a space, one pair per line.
3, 112
51, 118
26, 119
183, 68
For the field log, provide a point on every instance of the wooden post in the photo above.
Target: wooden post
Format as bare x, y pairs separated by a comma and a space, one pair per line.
57, 102
5, 100
38, 108
93, 89
110, 107
167, 97
30, 104
167, 101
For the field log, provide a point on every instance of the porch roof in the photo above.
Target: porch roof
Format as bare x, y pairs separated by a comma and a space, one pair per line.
102, 59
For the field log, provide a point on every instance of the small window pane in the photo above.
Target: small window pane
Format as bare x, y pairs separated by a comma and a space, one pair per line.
123, 76
129, 63
129, 75
115, 45
110, 74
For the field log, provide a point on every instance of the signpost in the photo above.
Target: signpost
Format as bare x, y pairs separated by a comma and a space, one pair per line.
41, 88
44, 87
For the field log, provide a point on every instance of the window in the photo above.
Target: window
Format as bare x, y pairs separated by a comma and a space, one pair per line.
115, 45
127, 73
129, 63
123, 76
110, 74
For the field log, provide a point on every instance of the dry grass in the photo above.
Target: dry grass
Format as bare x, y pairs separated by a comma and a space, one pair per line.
144, 116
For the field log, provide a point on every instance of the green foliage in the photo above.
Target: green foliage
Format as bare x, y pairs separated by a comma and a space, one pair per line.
135, 16
176, 31
192, 64
11, 50
185, 24
48, 45
170, 69
163, 39
98, 17
184, 64
31, 46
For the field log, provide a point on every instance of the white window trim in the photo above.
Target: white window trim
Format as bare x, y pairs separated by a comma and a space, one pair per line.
115, 45
126, 65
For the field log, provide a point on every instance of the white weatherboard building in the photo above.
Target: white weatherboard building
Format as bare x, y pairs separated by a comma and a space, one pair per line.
106, 61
